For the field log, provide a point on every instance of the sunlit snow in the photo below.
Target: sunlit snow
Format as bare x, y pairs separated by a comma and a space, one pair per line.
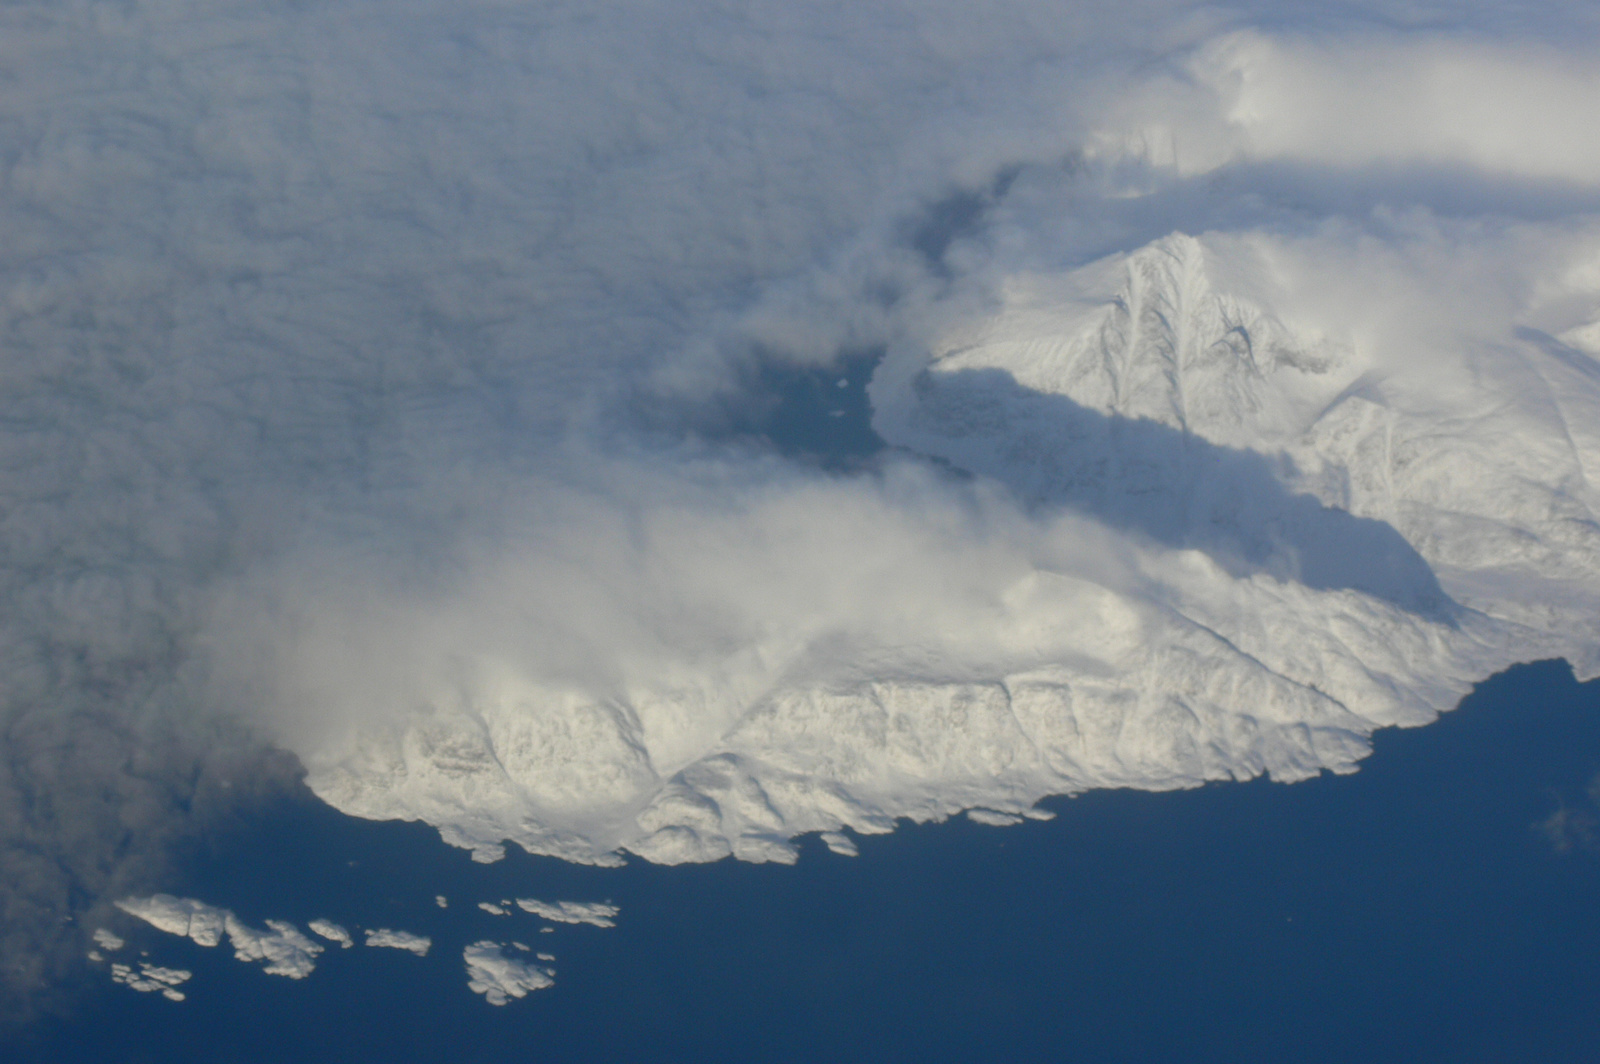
840, 843
383, 937
600, 914
281, 948
149, 978
332, 932
500, 977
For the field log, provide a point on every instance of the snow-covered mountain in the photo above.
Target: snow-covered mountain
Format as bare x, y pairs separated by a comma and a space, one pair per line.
1312, 539
1142, 390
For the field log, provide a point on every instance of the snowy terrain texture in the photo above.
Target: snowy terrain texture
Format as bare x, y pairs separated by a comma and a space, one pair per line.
597, 913
499, 975
381, 936
1300, 541
1217, 504
282, 949
150, 978
332, 932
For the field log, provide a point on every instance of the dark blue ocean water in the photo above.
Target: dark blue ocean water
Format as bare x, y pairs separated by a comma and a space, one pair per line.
1414, 911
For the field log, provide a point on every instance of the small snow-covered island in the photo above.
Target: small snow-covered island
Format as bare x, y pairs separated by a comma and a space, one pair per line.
498, 972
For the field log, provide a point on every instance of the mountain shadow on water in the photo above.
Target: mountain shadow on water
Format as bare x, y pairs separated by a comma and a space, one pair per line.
1173, 487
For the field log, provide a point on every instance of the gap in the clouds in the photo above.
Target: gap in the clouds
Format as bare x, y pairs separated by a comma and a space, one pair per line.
954, 216
1439, 904
814, 415
823, 415
945, 221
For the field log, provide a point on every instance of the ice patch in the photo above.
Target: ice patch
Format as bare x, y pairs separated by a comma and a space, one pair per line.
332, 932
493, 909
441, 901
597, 913
499, 977
107, 940
149, 979
993, 818
840, 843
383, 937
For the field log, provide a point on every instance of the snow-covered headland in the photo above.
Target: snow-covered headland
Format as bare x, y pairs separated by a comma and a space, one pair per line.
1214, 526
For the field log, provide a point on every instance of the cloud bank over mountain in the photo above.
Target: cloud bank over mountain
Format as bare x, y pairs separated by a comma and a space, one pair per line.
390, 384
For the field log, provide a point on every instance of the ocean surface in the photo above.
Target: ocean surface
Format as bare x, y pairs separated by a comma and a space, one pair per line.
1438, 905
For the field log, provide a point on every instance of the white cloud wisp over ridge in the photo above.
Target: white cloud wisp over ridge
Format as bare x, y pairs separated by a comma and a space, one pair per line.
392, 384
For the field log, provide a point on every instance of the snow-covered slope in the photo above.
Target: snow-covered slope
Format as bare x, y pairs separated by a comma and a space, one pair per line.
1251, 541
1142, 390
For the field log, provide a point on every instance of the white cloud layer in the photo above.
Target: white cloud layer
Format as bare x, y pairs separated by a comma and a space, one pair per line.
1357, 97
373, 375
